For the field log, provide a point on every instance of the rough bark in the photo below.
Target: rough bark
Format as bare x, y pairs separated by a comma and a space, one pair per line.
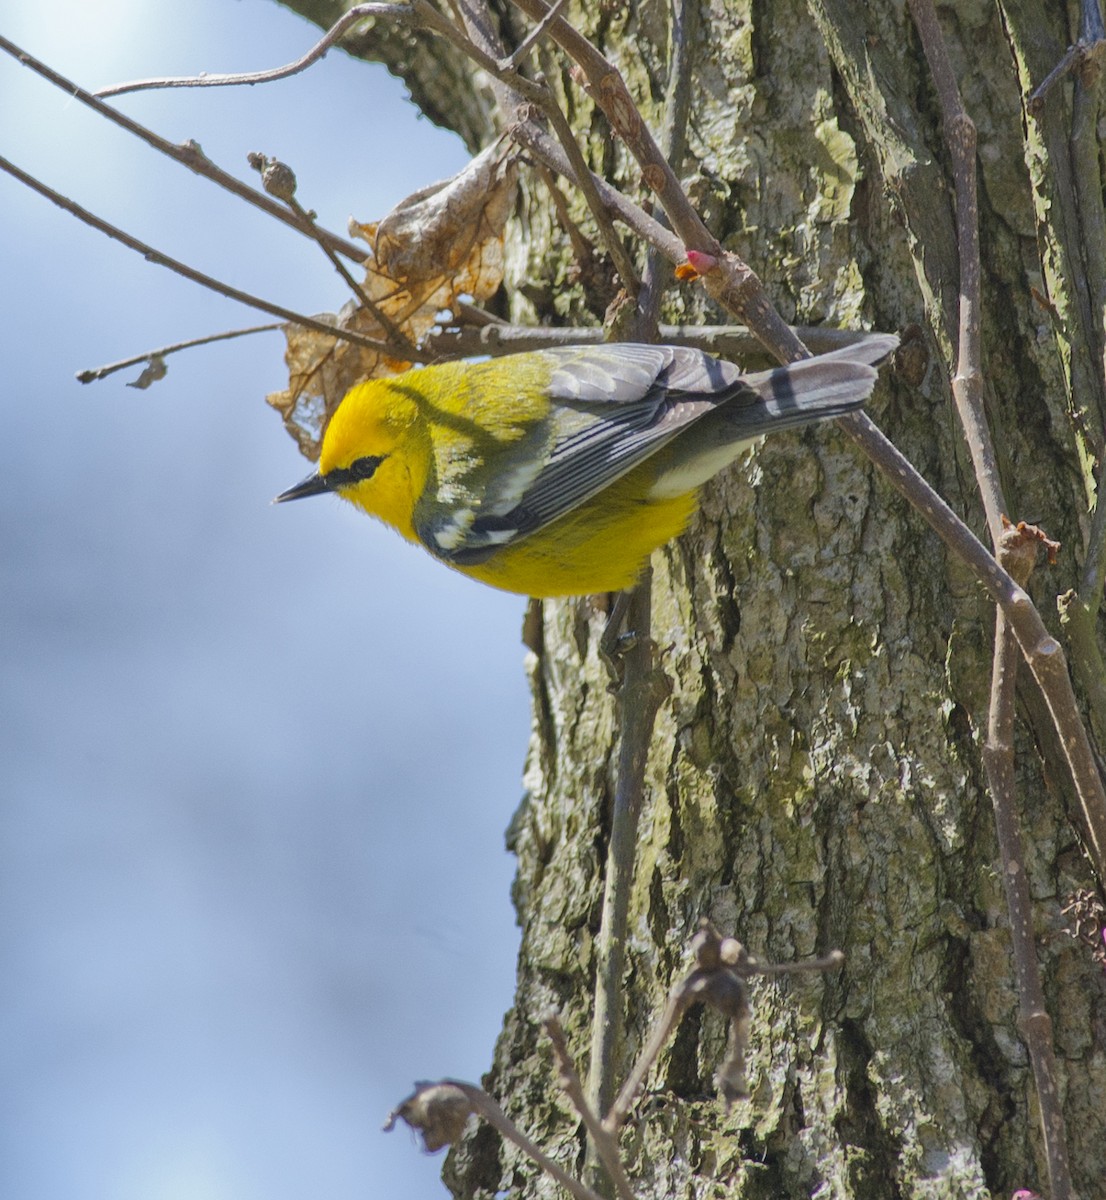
815, 779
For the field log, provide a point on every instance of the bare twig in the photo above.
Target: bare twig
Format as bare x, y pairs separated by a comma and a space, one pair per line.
718, 979
279, 181
583, 251
443, 1107
608, 89
1075, 54
92, 374
643, 690
586, 183
543, 147
467, 313
480, 44
683, 25
189, 154
1092, 35
729, 341
163, 260
395, 12
601, 1138
1079, 610
539, 30
679, 1001
967, 383
1017, 551
439, 1111
998, 762
729, 280
427, 17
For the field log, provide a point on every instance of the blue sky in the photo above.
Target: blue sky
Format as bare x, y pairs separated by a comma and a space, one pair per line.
255, 762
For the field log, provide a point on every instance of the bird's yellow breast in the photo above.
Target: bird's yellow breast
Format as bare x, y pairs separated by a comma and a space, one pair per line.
601, 546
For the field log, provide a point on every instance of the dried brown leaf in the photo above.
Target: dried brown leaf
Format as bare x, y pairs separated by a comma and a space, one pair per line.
437, 1111
438, 246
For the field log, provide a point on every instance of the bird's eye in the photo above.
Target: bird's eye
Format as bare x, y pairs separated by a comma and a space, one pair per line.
364, 468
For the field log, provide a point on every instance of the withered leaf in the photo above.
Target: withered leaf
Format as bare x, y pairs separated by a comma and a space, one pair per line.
437, 246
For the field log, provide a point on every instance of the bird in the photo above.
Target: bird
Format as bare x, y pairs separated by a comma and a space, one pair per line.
558, 472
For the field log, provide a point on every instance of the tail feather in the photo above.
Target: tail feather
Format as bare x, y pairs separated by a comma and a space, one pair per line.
813, 389
816, 389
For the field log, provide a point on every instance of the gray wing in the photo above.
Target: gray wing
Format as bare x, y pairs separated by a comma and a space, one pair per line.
613, 406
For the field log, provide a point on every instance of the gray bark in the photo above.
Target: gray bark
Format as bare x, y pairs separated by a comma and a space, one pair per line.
815, 778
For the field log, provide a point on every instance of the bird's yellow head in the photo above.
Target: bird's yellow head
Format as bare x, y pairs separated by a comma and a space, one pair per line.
375, 454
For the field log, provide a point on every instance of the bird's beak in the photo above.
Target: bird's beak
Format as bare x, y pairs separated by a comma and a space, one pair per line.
313, 485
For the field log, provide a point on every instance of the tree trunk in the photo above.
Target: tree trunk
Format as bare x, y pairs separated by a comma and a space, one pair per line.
815, 778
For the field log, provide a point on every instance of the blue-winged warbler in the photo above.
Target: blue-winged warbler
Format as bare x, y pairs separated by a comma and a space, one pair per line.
558, 472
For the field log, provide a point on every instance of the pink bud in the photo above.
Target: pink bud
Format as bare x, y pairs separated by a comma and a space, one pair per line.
702, 262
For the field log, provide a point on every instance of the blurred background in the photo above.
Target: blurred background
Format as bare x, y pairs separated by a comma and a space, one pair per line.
255, 762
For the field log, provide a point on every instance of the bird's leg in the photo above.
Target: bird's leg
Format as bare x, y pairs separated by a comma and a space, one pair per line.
615, 641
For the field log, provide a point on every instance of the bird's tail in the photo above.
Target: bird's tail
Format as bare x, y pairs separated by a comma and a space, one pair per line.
815, 389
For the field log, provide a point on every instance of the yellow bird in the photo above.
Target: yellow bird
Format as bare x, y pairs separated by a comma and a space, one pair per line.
558, 472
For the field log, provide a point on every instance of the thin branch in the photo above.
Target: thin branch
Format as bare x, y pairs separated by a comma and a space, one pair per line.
92, 374
682, 29
484, 50
601, 1139
467, 313
728, 341
539, 30
643, 690
279, 181
722, 964
544, 148
475, 33
425, 17
586, 183
678, 1002
439, 1111
998, 762
1017, 551
583, 252
1074, 55
728, 280
163, 260
1079, 610
1092, 36
481, 46
486, 1107
826, 962
608, 89
397, 12
967, 383
189, 154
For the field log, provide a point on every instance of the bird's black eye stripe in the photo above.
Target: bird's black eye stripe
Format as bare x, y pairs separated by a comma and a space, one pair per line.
358, 471
365, 468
